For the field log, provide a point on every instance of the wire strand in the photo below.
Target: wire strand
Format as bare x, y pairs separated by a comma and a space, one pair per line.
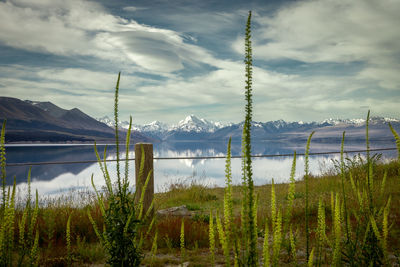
197, 157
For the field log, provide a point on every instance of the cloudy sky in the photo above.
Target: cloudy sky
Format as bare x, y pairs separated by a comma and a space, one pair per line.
312, 59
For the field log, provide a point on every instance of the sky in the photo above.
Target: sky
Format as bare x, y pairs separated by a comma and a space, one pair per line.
313, 60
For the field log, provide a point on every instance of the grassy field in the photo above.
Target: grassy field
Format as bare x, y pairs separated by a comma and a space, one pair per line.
86, 249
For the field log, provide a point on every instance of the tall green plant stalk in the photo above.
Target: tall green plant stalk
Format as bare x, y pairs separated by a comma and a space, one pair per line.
342, 178
277, 233
182, 240
117, 134
397, 140
337, 232
3, 165
252, 238
266, 257
7, 211
228, 206
153, 251
306, 169
291, 192
211, 236
321, 231
68, 238
121, 216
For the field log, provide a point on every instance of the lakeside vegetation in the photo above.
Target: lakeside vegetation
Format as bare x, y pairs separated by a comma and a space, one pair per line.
348, 216
200, 200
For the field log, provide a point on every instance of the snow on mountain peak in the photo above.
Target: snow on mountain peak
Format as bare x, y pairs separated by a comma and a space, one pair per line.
193, 124
155, 126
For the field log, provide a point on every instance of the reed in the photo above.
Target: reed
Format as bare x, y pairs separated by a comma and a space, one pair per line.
310, 262
321, 231
251, 257
121, 217
277, 234
266, 257
68, 239
153, 251
182, 241
5, 250
306, 210
212, 239
397, 140
293, 253
228, 204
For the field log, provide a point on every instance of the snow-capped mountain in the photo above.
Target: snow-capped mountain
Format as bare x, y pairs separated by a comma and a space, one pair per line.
193, 124
110, 122
194, 128
373, 120
190, 124
155, 126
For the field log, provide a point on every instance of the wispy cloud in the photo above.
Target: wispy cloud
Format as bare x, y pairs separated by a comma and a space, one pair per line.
83, 28
133, 8
189, 59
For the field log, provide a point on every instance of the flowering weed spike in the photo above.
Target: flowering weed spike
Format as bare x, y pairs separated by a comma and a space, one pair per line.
291, 191
183, 241
311, 258
266, 246
338, 233
306, 199
211, 235
292, 246
3, 163
68, 238
273, 205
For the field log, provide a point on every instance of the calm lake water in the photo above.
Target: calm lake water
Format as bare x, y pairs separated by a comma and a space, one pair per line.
55, 180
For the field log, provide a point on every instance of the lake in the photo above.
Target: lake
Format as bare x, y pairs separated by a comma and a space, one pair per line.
59, 179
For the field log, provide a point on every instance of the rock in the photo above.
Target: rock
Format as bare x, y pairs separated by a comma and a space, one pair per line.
180, 211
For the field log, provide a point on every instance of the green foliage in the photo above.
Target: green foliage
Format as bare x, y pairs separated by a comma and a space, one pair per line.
153, 251
266, 258
228, 203
68, 238
306, 177
311, 259
291, 192
337, 226
121, 216
251, 258
227, 234
3, 165
397, 139
211, 234
182, 243
248, 236
7, 228
321, 230
292, 241
277, 234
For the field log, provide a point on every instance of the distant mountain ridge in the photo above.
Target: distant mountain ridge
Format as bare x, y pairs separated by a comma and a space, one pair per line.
194, 128
34, 121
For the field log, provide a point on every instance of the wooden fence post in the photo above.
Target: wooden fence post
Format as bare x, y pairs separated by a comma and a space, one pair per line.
148, 167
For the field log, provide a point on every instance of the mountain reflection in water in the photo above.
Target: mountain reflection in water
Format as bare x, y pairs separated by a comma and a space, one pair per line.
53, 180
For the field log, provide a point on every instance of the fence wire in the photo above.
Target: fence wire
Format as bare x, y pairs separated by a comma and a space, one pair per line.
196, 157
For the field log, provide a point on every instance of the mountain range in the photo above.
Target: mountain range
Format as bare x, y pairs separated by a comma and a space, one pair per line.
193, 128
33, 121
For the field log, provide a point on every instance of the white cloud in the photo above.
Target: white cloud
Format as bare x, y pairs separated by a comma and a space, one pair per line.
133, 8
217, 95
333, 31
339, 31
83, 28
310, 31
